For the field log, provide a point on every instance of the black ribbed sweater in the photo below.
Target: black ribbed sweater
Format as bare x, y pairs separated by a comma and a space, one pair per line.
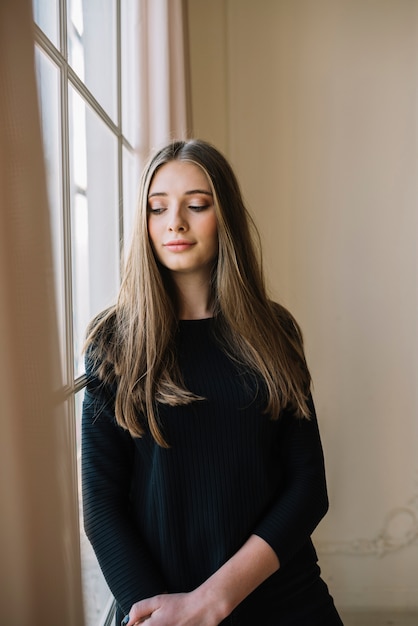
166, 519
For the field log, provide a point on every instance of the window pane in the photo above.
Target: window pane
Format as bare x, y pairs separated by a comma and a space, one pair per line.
130, 69
45, 14
95, 218
92, 49
95, 590
49, 100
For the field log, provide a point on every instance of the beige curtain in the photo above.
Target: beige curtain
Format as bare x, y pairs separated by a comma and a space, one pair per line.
164, 98
39, 542
40, 572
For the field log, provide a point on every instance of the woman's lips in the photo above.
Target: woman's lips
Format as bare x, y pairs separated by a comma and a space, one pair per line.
178, 246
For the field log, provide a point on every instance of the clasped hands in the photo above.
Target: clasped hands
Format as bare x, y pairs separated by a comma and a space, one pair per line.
175, 609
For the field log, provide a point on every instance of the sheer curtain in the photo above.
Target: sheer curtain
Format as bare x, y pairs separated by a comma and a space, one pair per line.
164, 99
39, 540
39, 533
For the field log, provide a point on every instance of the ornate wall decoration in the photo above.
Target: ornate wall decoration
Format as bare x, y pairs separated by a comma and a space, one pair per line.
399, 530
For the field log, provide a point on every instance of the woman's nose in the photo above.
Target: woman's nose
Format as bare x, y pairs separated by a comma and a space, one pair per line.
177, 222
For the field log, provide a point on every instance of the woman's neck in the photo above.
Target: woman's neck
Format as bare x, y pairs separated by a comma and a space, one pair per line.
193, 298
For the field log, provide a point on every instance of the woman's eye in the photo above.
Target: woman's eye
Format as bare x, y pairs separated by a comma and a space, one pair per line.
199, 207
156, 210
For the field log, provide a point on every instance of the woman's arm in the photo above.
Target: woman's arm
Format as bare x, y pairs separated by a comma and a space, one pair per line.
303, 501
107, 460
218, 596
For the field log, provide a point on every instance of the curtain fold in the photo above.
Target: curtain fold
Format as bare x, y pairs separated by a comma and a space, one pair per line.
39, 563
164, 97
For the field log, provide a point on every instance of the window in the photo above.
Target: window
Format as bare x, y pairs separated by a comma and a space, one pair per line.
86, 62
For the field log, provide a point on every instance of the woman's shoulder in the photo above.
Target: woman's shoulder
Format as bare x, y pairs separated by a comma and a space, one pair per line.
285, 319
102, 323
100, 345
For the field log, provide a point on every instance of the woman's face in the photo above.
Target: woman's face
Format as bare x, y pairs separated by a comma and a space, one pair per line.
182, 223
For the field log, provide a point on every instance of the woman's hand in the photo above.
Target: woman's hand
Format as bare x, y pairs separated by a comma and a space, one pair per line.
175, 609
215, 598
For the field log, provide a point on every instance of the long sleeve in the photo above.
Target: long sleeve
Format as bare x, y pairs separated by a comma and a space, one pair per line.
303, 500
107, 461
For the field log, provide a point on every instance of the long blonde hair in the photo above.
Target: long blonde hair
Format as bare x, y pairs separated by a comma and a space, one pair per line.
133, 343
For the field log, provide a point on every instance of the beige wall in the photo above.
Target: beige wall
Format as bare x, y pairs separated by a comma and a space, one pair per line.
315, 104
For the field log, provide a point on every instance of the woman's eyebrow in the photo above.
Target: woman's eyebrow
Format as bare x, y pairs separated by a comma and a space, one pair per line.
193, 191
186, 193
157, 193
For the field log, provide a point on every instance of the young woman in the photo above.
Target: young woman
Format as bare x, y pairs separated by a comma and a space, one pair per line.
203, 472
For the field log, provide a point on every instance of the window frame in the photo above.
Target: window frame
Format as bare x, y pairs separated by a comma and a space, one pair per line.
68, 79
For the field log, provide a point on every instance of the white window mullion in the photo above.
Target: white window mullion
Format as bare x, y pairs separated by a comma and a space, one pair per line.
67, 235
120, 135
